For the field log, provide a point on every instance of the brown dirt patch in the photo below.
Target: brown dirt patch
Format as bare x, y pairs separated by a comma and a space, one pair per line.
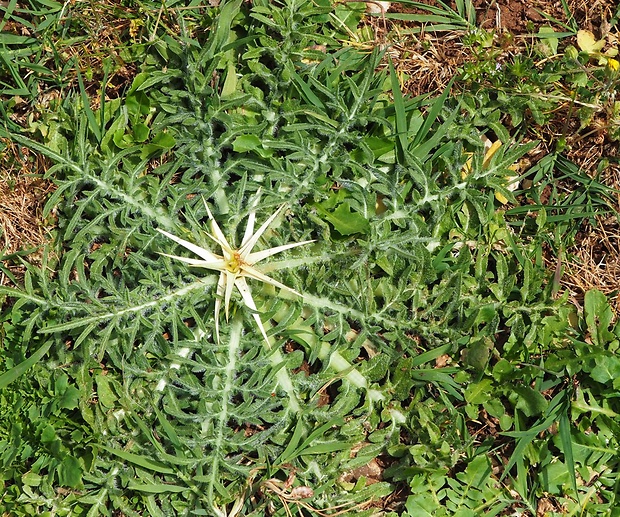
507, 15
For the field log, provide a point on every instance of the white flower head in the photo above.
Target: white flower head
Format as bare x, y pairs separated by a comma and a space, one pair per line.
235, 265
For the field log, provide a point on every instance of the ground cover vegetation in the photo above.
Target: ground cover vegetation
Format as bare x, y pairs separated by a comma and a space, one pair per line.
431, 353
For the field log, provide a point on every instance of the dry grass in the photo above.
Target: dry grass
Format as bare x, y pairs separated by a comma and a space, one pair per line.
594, 263
424, 63
22, 197
594, 260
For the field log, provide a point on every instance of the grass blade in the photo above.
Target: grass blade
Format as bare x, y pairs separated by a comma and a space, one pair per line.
140, 461
567, 447
401, 115
15, 372
8, 11
90, 115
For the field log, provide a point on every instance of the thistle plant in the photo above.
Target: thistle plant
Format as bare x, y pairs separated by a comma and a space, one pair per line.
187, 424
235, 265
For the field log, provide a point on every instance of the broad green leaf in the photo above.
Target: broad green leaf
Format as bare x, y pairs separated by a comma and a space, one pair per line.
530, 401
555, 477
138, 104
477, 354
245, 143
479, 392
598, 315
607, 369
347, 222
31, 479
70, 398
141, 132
161, 142
70, 472
230, 83
105, 393
550, 39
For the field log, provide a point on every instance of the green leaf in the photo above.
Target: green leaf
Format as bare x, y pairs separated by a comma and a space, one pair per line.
477, 354
105, 394
90, 115
347, 222
140, 461
230, 83
157, 488
530, 401
70, 472
550, 38
31, 479
14, 373
246, 143
607, 369
163, 140
564, 428
324, 448
8, 11
479, 392
70, 398
401, 115
141, 132
15, 39
349, 15
401, 379
554, 477
48, 434
306, 91
599, 316
160, 142
138, 104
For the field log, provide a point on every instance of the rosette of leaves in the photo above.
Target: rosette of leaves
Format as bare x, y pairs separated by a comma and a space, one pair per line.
184, 423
